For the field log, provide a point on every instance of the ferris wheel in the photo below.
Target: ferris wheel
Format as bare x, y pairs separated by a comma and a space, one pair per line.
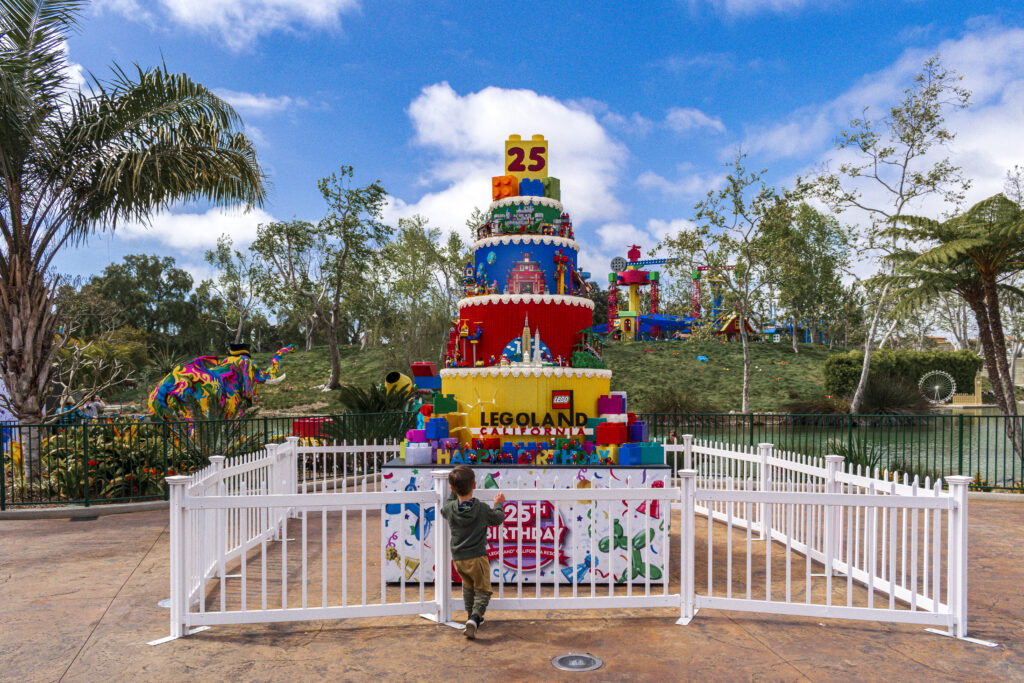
937, 386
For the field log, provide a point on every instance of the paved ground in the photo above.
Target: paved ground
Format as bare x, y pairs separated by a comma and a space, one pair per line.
79, 603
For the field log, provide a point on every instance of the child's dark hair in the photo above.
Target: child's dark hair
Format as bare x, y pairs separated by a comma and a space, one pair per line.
461, 479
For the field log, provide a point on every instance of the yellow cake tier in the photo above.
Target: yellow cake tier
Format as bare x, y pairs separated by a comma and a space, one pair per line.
523, 403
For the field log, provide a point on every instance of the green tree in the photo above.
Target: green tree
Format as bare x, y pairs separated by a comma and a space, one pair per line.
328, 266
732, 237
422, 284
74, 162
237, 283
985, 245
150, 293
894, 166
810, 255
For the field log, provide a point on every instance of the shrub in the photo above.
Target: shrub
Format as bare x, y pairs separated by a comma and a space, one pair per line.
585, 359
893, 396
374, 399
805, 410
842, 370
861, 452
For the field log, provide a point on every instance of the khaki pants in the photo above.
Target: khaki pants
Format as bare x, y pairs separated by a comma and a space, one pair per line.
476, 583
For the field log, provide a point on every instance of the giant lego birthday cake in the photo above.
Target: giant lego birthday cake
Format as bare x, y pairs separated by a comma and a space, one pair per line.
519, 384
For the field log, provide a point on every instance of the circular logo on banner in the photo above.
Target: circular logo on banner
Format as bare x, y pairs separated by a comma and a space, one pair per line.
515, 542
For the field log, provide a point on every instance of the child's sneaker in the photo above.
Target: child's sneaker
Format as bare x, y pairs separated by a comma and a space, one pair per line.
471, 626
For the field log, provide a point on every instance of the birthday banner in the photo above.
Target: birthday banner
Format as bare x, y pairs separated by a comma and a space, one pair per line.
541, 540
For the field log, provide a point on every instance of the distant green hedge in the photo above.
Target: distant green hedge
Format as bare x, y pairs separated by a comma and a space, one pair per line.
842, 370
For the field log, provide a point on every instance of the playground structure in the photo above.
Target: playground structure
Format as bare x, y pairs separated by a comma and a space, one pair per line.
630, 323
191, 390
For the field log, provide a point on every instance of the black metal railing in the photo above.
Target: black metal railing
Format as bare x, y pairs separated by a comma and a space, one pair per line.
988, 448
118, 460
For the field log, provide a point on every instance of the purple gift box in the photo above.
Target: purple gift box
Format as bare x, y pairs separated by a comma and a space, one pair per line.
416, 435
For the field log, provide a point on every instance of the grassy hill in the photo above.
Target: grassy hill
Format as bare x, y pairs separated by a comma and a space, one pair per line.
777, 375
647, 372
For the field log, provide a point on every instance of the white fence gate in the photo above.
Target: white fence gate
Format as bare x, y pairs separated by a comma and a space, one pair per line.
292, 533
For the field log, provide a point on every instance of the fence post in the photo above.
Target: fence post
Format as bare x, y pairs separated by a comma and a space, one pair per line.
289, 453
293, 471
958, 557
833, 513
220, 537
687, 598
764, 477
687, 451
442, 553
179, 589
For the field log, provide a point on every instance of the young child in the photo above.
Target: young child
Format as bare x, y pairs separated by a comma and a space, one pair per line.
469, 519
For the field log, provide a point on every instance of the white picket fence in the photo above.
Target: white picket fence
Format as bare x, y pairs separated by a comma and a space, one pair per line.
292, 533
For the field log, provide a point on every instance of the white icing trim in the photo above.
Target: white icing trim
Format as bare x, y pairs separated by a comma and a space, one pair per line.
490, 299
513, 371
508, 201
526, 239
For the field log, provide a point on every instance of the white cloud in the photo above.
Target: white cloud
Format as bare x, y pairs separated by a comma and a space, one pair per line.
241, 22
256, 104
195, 231
467, 134
682, 119
988, 140
661, 228
689, 183
991, 61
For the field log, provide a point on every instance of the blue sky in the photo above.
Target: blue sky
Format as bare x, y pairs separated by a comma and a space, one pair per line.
641, 103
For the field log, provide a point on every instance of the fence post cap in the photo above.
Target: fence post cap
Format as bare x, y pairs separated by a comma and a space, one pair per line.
958, 480
217, 460
178, 479
834, 458
688, 474
765, 444
292, 439
271, 447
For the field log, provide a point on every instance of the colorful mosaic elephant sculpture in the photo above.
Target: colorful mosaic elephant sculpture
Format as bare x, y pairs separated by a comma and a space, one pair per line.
191, 389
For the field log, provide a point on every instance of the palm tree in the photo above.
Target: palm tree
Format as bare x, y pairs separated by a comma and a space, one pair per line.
73, 162
989, 239
916, 285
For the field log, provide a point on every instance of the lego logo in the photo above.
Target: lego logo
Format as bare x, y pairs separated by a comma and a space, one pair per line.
560, 400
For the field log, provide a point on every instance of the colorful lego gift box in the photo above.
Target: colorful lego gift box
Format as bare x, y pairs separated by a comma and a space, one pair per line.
437, 428
630, 455
610, 405
638, 431
428, 383
444, 404
652, 453
611, 433
418, 454
416, 435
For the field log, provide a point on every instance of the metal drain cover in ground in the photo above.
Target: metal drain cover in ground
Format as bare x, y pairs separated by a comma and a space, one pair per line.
576, 662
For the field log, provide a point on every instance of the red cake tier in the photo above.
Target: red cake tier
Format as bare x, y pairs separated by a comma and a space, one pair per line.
496, 321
